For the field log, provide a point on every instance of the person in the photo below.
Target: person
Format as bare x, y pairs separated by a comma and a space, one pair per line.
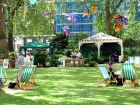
115, 76
115, 57
32, 59
110, 68
16, 60
28, 59
21, 60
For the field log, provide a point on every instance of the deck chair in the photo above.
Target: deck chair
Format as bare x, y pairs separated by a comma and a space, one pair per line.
2, 76
130, 74
25, 78
137, 60
131, 60
106, 76
5, 63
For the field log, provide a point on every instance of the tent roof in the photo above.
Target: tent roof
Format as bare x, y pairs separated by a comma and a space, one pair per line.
102, 36
36, 44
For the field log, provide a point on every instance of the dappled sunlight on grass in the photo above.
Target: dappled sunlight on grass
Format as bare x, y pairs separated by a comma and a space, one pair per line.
70, 86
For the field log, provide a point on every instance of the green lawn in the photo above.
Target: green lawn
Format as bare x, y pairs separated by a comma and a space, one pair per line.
70, 86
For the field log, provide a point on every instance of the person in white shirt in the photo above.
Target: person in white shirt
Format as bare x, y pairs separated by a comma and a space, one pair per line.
32, 59
28, 60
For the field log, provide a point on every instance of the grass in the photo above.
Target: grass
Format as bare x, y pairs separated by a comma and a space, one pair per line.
70, 86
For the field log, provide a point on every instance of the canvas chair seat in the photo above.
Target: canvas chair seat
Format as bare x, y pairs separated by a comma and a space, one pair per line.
25, 77
106, 76
2, 76
129, 73
5, 63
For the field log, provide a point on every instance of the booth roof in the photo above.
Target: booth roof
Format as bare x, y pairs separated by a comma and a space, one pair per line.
36, 44
100, 36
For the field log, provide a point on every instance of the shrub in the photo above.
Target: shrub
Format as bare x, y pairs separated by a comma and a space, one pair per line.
13, 54
54, 62
100, 60
92, 63
59, 42
41, 57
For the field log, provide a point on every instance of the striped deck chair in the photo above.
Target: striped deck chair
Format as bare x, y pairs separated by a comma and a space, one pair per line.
131, 60
25, 78
130, 74
2, 76
5, 63
106, 76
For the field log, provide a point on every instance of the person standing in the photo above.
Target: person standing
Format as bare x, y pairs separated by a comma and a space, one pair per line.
21, 60
28, 60
32, 59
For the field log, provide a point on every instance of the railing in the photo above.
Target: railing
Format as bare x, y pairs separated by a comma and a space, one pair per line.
74, 62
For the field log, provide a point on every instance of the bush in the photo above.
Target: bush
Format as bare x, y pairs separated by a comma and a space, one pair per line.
41, 57
13, 54
54, 62
68, 53
100, 60
59, 42
92, 63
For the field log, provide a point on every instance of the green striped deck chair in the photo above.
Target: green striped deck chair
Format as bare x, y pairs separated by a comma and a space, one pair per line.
25, 77
5, 63
106, 76
2, 76
129, 73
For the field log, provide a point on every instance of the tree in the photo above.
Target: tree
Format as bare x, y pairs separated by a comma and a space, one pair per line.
106, 10
131, 31
32, 22
59, 42
13, 6
73, 44
3, 35
16, 7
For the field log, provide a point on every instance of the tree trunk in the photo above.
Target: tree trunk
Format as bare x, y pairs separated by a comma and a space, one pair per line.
108, 17
11, 24
10, 36
3, 36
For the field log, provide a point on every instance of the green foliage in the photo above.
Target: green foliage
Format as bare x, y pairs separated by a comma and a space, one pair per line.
100, 23
68, 54
13, 54
131, 31
92, 63
93, 58
27, 19
73, 44
54, 62
59, 42
41, 57
100, 60
80, 36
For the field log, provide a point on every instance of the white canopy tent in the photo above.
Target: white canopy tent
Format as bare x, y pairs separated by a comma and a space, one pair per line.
99, 39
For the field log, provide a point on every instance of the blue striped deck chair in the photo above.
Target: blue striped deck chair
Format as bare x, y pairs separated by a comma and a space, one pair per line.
129, 73
106, 76
2, 76
25, 78
5, 63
